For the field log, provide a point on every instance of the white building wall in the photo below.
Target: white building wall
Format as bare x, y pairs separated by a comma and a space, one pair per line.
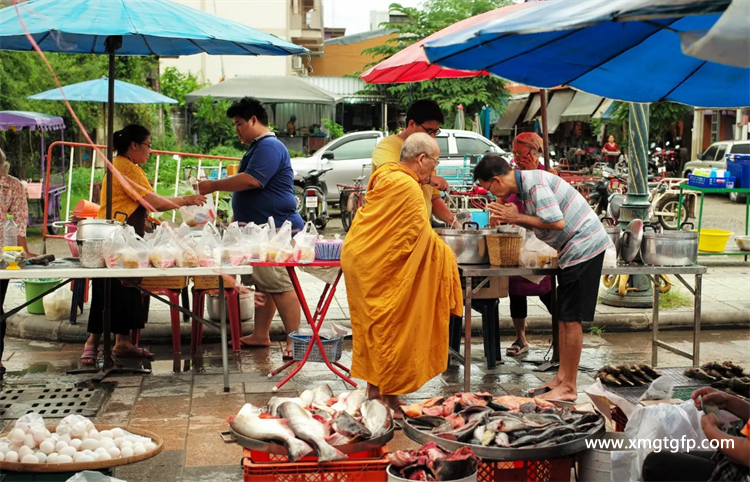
270, 16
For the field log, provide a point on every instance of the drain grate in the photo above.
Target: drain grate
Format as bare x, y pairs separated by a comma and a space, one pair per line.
52, 402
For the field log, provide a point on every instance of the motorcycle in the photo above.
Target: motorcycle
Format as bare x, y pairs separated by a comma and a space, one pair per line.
314, 206
665, 199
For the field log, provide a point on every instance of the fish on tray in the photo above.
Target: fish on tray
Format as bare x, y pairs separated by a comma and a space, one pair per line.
249, 423
376, 417
306, 428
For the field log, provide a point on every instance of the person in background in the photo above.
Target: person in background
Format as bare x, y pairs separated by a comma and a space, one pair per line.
423, 116
291, 128
401, 279
134, 198
730, 463
527, 148
611, 152
264, 187
562, 219
13, 202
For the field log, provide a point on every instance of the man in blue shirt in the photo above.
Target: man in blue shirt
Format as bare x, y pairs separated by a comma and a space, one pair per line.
263, 187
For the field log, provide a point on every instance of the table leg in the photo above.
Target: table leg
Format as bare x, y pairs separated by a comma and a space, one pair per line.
224, 350
467, 336
697, 320
655, 323
555, 322
107, 324
700, 213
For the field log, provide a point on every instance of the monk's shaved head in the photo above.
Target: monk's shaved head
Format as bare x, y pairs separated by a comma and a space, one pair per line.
420, 153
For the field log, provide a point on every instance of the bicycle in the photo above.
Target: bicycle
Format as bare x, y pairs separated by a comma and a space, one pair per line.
351, 199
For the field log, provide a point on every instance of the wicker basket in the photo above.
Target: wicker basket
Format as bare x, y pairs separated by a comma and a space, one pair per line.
504, 249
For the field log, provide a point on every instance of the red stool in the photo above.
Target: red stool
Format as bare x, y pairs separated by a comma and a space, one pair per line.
233, 311
174, 297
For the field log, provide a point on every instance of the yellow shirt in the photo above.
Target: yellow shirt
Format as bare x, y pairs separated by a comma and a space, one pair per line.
389, 151
124, 200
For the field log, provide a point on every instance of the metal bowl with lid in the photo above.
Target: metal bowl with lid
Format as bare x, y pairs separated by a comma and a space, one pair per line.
670, 248
468, 244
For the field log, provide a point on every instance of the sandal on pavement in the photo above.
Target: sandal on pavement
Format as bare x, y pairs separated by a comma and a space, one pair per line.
134, 352
288, 355
517, 348
89, 355
538, 391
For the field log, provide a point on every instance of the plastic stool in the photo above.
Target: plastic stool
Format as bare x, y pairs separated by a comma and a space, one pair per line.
233, 312
174, 297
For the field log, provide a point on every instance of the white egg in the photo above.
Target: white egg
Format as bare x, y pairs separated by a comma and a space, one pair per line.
65, 438
114, 452
100, 450
126, 443
40, 434
47, 446
69, 451
119, 441
30, 459
85, 458
55, 436
117, 432
60, 445
23, 426
77, 456
127, 452
94, 434
41, 457
17, 436
4, 449
106, 434
12, 456
90, 444
14, 448
29, 441
2, 456
132, 438
139, 450
78, 429
150, 446
64, 459
87, 452
24, 451
76, 443
52, 458
106, 443
103, 456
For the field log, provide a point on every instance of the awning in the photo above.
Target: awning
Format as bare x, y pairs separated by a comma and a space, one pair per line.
560, 101
512, 111
581, 108
604, 107
269, 90
534, 106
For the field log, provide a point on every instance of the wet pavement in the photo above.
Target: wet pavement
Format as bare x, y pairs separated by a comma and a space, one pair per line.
183, 399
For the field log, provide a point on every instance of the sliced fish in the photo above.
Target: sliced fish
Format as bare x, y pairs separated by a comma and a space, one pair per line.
377, 417
355, 400
345, 424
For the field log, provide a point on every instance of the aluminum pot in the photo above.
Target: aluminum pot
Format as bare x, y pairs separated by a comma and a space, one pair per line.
743, 242
671, 248
247, 306
89, 229
469, 245
614, 233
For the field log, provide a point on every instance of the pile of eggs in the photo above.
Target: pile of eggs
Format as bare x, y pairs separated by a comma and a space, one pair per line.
76, 440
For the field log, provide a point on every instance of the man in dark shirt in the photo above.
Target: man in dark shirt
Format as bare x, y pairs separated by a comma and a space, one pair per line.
263, 187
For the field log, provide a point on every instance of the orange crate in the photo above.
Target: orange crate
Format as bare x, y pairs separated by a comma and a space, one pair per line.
525, 470
367, 466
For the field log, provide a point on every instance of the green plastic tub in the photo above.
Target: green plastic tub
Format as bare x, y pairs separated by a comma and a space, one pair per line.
34, 288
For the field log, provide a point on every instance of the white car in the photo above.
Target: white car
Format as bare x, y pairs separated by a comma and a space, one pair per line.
715, 157
348, 154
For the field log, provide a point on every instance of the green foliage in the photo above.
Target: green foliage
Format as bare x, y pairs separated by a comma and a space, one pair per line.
334, 130
596, 330
662, 118
177, 85
673, 299
473, 93
212, 125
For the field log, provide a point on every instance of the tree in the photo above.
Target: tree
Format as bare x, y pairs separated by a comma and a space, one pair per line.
212, 125
663, 118
473, 93
178, 85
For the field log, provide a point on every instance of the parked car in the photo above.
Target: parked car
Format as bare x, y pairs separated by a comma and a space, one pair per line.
350, 152
715, 156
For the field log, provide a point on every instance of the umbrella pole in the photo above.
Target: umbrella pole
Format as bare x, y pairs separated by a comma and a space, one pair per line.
545, 132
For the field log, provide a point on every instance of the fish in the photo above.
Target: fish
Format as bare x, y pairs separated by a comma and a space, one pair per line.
647, 369
435, 411
431, 422
322, 393
698, 374
306, 428
459, 434
477, 436
502, 439
449, 406
345, 424
505, 423
355, 400
587, 418
472, 413
611, 370
414, 410
456, 466
588, 427
248, 423
456, 420
498, 407
543, 419
274, 402
641, 374
340, 402
469, 400
433, 402
625, 380
377, 417
488, 436
736, 369
551, 432
337, 439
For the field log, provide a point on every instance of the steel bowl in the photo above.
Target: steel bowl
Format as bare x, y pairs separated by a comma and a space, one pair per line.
247, 306
89, 229
469, 245
743, 242
630, 241
671, 248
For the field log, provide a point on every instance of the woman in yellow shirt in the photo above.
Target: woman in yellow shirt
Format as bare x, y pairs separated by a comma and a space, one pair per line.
133, 147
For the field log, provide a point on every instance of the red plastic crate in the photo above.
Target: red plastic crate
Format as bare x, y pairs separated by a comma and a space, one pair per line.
525, 470
369, 466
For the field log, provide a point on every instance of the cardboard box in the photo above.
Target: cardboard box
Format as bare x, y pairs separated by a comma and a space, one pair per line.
210, 282
165, 282
496, 287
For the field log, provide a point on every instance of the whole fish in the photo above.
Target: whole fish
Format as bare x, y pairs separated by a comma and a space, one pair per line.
461, 434
588, 418
502, 439
345, 424
322, 394
306, 428
648, 370
377, 417
551, 432
248, 423
274, 402
355, 400
509, 423
432, 423
543, 419
474, 413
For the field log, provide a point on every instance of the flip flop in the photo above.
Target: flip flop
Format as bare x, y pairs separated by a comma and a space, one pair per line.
288, 355
134, 352
517, 348
89, 354
538, 391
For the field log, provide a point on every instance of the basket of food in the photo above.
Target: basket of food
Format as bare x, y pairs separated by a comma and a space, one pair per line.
504, 248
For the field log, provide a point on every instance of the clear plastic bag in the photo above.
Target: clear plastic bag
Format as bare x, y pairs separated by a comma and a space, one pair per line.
135, 254
75, 426
535, 253
304, 244
162, 252
660, 389
281, 241
57, 305
232, 250
256, 243
185, 255
112, 249
199, 215
209, 247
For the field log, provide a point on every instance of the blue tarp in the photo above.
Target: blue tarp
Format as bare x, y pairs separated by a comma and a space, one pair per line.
96, 91
621, 49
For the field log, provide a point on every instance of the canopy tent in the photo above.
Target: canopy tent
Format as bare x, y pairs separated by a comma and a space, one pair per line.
560, 101
17, 119
512, 112
727, 42
581, 108
534, 105
267, 89
97, 90
603, 108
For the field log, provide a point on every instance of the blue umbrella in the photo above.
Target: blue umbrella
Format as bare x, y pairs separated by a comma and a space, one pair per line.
98, 91
620, 49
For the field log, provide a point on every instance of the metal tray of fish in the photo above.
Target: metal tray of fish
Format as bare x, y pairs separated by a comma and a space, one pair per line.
278, 449
503, 453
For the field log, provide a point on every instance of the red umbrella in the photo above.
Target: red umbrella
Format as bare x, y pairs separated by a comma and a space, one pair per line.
411, 64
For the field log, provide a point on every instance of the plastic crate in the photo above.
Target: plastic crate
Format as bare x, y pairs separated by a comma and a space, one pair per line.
333, 347
265, 458
738, 166
362, 467
525, 470
711, 182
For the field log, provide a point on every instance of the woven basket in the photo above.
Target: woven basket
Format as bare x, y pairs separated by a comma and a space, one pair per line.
504, 249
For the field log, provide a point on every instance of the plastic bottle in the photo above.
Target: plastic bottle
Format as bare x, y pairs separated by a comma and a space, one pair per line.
10, 232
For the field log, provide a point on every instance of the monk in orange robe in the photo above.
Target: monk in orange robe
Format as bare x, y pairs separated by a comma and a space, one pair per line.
401, 279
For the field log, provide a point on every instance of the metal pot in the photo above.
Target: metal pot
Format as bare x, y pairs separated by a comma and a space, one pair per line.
247, 306
743, 242
469, 245
672, 248
91, 254
630, 240
89, 229
614, 233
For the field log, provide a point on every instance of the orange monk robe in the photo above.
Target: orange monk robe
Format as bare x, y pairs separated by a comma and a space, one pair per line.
402, 284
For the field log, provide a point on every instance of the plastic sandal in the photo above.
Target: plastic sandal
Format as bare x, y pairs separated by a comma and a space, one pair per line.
516, 349
134, 352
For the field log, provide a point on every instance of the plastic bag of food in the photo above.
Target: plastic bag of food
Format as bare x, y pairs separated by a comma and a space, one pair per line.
256, 243
535, 253
112, 248
232, 250
75, 426
660, 389
185, 255
30, 421
209, 247
199, 215
163, 247
304, 244
135, 254
57, 305
281, 240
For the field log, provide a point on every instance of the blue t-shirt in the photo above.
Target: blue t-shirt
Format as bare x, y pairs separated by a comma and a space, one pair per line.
267, 161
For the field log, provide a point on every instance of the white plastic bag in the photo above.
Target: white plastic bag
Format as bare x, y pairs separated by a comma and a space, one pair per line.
185, 255
135, 253
112, 248
209, 247
610, 257
282, 240
232, 250
660, 389
75, 426
304, 244
535, 253
199, 215
163, 247
57, 305
255, 243
91, 476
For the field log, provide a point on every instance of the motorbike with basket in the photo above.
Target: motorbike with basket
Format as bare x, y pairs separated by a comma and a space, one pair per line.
313, 205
